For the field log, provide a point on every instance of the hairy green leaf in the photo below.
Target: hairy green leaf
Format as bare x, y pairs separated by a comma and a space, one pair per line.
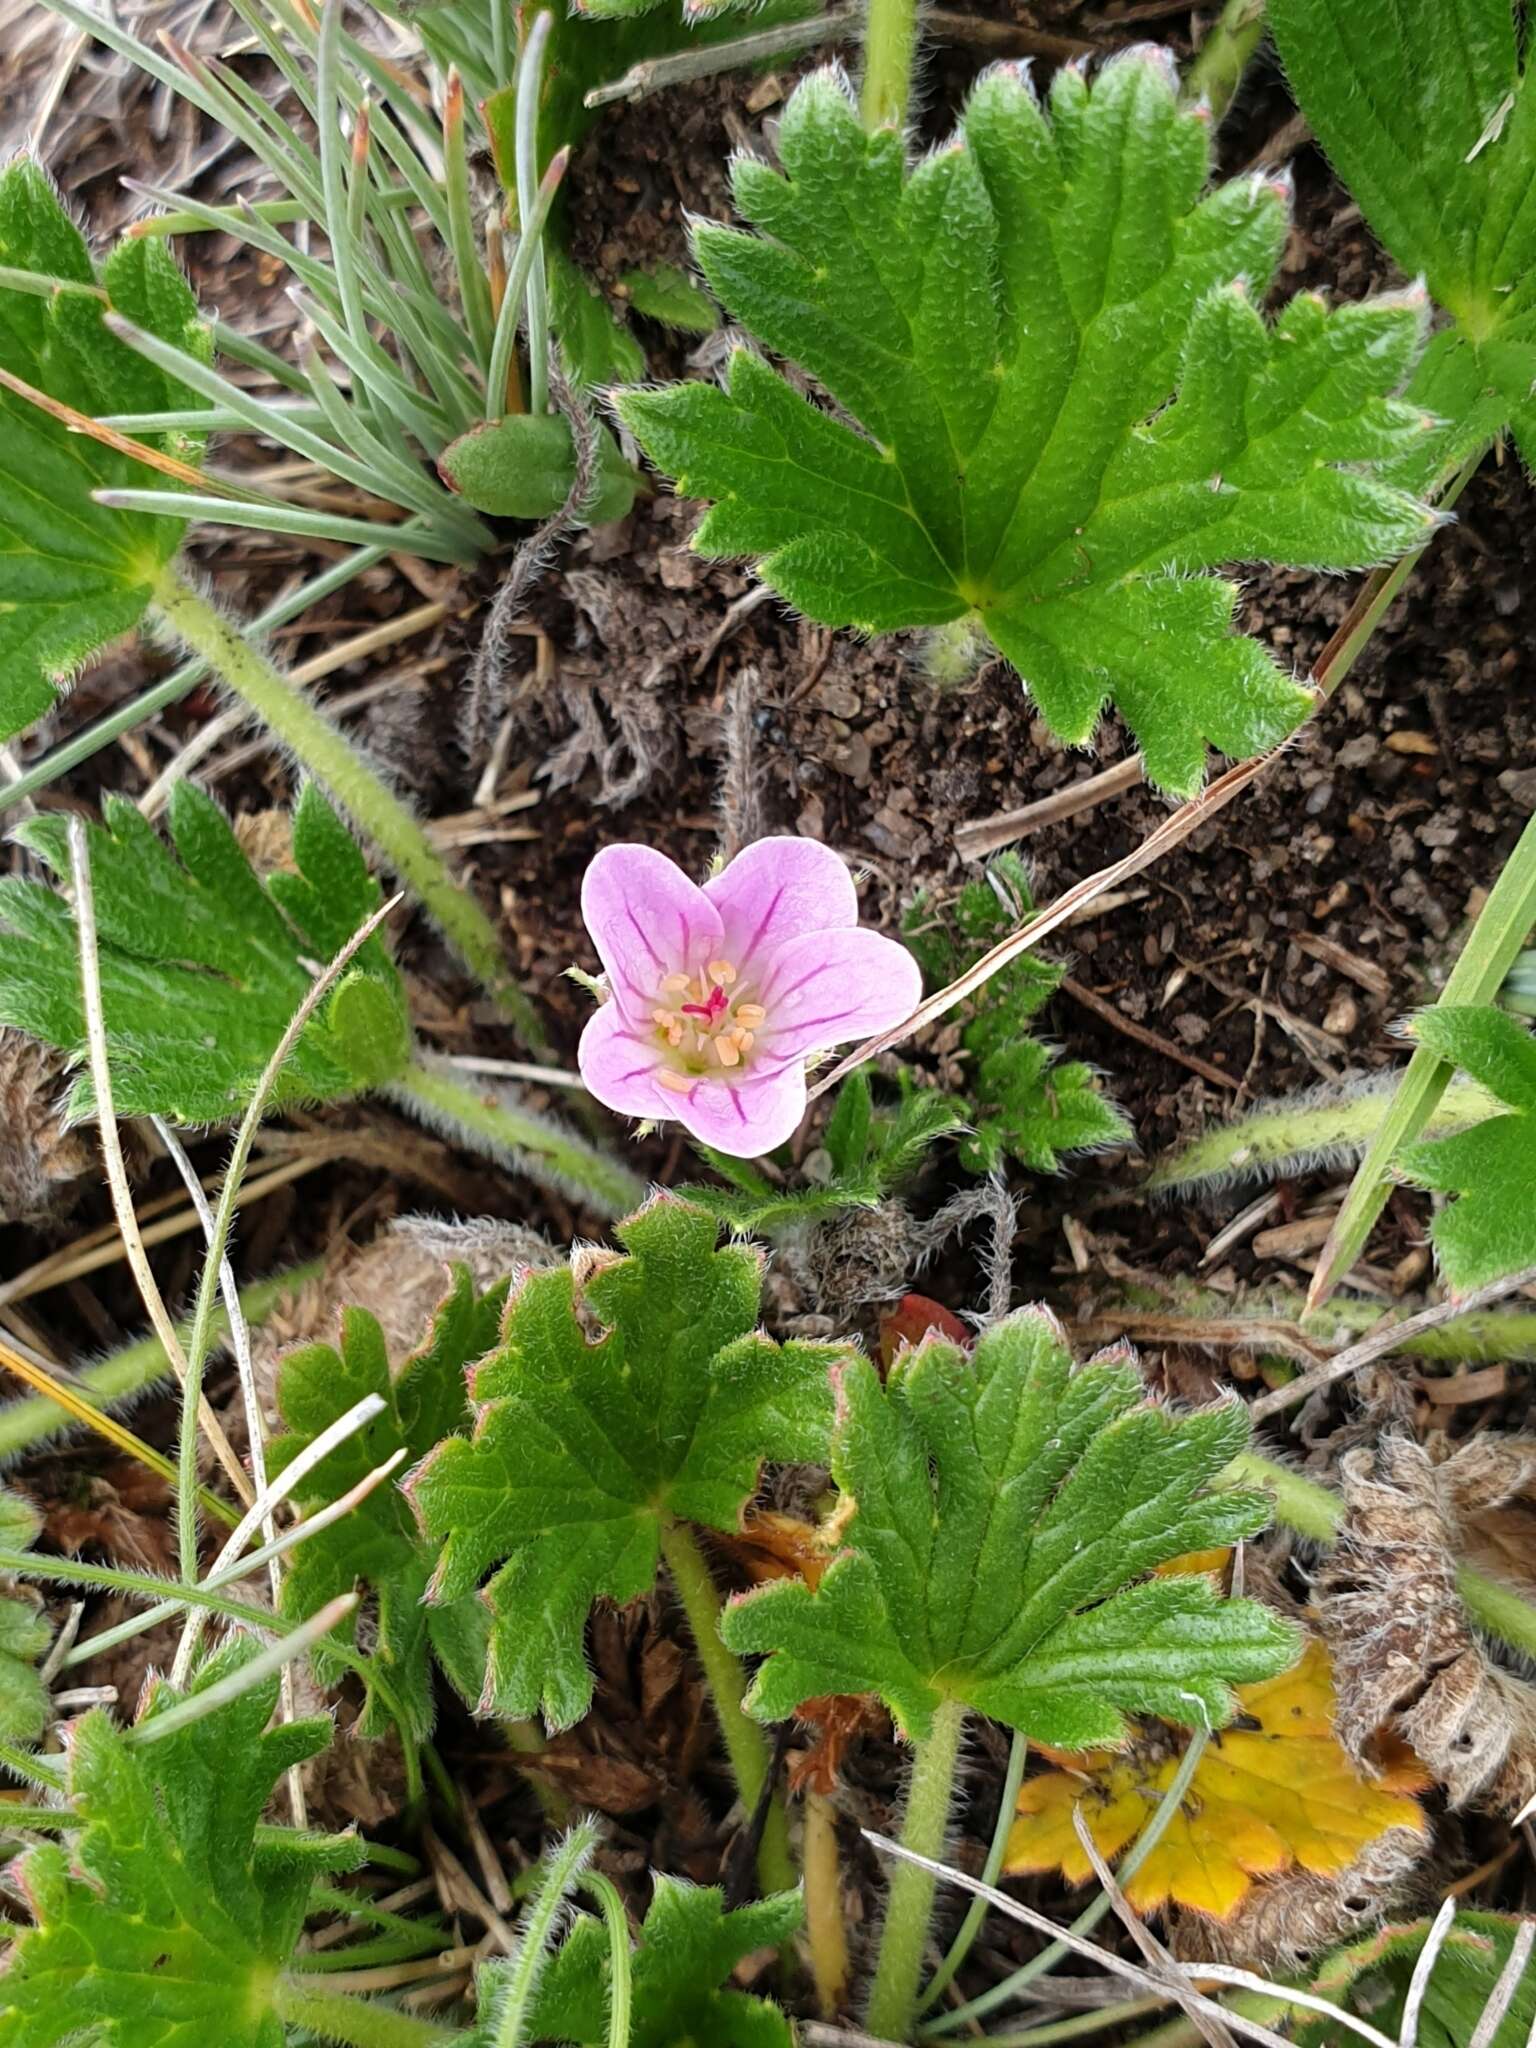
1065, 401
203, 965
1022, 1100
1372, 1978
379, 1544
1429, 117
24, 1633
689, 1946
522, 467
584, 1450
1491, 1229
163, 1918
73, 574
1003, 1509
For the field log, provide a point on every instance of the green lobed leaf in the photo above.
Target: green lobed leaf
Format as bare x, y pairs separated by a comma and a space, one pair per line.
203, 965
584, 1449
1429, 117
24, 1633
73, 575
1491, 1229
1023, 1101
1066, 400
523, 466
378, 1544
163, 1917
1005, 1508
681, 1970
1372, 1978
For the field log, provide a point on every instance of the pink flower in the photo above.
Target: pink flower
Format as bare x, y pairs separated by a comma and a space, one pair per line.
718, 996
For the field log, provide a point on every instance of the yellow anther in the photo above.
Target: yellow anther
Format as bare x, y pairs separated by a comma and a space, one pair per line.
745, 1040
680, 1084
729, 1050
750, 1014
674, 984
722, 971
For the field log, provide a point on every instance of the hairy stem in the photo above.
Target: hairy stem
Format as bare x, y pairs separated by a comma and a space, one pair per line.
562, 1872
1317, 1513
1503, 925
976, 1912
893, 2000
354, 2022
135, 1367
1282, 1138
825, 1927
309, 735
745, 1744
491, 1126
890, 50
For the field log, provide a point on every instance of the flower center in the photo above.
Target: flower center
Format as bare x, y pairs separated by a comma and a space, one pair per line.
703, 1026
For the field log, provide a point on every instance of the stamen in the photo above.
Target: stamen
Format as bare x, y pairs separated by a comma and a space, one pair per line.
674, 984
680, 1084
750, 1014
722, 971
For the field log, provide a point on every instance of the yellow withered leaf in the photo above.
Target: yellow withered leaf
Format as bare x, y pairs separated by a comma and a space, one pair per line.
1273, 1792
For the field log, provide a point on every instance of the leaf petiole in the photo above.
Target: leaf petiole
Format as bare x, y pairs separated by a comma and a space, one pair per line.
745, 1744
925, 1822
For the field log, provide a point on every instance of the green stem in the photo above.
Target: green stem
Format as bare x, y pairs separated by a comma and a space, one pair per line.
562, 1873
306, 732
745, 1744
1502, 928
1282, 1138
970, 1926
1318, 1513
893, 2000
127, 1372
505, 1133
176, 685
1225, 55
620, 1984
890, 51
1181, 2033
1081, 2025
354, 2022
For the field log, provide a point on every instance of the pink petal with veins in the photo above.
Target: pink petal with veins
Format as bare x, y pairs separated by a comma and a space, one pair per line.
828, 987
745, 1118
776, 889
619, 1067
647, 920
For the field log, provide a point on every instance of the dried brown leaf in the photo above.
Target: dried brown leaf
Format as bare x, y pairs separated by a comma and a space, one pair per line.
1405, 1655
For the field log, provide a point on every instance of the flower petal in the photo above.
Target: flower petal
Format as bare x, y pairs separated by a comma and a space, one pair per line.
744, 1118
777, 888
619, 1066
647, 920
825, 988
